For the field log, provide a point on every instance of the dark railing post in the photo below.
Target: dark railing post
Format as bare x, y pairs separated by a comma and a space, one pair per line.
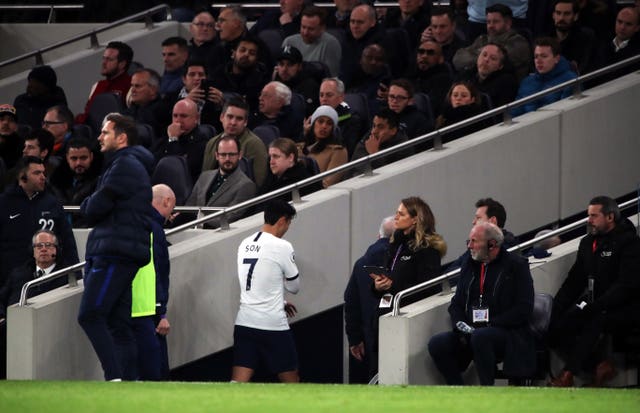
52, 15
148, 21
368, 168
39, 59
507, 119
437, 142
93, 38
577, 90
224, 222
295, 195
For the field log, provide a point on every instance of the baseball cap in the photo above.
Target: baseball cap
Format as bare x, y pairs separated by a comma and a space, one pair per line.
291, 54
7, 109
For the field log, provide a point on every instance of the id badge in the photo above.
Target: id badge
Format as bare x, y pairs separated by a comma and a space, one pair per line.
385, 301
480, 314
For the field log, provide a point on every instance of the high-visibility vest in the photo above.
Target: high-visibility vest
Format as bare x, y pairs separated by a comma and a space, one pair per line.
143, 289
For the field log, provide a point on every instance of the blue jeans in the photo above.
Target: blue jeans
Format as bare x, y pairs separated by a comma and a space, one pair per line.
105, 315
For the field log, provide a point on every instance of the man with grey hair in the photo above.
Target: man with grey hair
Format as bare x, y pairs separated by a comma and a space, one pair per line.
275, 108
489, 313
599, 295
145, 104
361, 306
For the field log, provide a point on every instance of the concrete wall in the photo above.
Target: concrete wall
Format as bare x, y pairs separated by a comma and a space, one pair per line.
523, 165
77, 65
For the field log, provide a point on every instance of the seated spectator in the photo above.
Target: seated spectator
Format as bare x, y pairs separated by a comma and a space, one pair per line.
477, 18
39, 143
362, 31
443, 31
372, 77
42, 93
352, 125
234, 117
411, 15
275, 109
44, 260
286, 19
493, 75
551, 70
323, 143
626, 42
340, 15
116, 59
385, 133
400, 100
431, 75
76, 178
290, 71
175, 52
599, 295
463, 102
26, 207
145, 104
225, 186
285, 169
361, 306
59, 121
11, 143
492, 330
577, 43
314, 42
204, 36
244, 75
499, 31
207, 101
184, 137
414, 254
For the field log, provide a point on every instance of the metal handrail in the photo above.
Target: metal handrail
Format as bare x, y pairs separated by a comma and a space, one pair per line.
444, 278
51, 7
92, 34
294, 188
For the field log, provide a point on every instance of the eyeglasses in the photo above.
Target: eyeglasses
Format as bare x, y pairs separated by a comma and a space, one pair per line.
200, 25
51, 122
228, 155
428, 52
398, 97
44, 245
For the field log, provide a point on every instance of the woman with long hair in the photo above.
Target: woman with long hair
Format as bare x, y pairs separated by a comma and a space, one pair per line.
415, 250
323, 143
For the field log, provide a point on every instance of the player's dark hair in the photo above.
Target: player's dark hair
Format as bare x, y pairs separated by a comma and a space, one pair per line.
276, 209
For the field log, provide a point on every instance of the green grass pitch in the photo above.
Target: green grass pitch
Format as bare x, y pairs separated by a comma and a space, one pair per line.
174, 397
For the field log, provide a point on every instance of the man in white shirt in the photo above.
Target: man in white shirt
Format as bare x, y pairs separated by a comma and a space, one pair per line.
266, 267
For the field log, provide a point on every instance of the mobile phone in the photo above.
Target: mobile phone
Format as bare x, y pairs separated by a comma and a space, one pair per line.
375, 269
205, 84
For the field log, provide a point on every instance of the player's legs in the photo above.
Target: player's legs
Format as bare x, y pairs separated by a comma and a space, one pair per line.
289, 376
245, 353
281, 356
241, 374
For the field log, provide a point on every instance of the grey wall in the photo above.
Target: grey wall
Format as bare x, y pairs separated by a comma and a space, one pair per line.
524, 165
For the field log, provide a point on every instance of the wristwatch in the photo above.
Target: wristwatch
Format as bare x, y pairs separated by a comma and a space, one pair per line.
173, 139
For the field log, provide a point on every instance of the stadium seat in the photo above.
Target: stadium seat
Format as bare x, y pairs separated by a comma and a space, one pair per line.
145, 134
173, 171
423, 104
358, 103
273, 39
267, 133
102, 105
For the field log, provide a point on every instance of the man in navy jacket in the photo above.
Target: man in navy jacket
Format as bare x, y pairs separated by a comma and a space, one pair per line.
120, 213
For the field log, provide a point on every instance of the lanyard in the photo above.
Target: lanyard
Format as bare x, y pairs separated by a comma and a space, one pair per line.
482, 277
594, 246
393, 264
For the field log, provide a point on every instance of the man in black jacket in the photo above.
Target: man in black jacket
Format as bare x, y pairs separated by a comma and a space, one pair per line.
489, 313
599, 295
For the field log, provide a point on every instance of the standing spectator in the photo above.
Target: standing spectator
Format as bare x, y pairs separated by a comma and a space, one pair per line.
361, 306
119, 212
551, 70
234, 118
203, 36
599, 295
116, 59
149, 308
314, 42
11, 143
499, 31
489, 312
43, 92
225, 186
431, 75
323, 143
352, 125
175, 52
25, 208
266, 268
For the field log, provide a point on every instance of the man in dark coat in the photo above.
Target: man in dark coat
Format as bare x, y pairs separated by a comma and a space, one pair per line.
489, 313
119, 244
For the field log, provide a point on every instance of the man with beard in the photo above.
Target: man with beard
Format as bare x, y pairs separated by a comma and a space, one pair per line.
75, 180
244, 75
599, 295
116, 59
290, 71
578, 43
489, 312
372, 77
225, 186
430, 74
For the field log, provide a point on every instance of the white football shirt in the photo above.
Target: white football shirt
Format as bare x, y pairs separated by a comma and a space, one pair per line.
265, 264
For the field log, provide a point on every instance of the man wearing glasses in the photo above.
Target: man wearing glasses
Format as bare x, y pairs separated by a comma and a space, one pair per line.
225, 186
204, 36
400, 100
431, 75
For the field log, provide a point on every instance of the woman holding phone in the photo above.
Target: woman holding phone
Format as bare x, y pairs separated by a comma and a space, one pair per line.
414, 254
